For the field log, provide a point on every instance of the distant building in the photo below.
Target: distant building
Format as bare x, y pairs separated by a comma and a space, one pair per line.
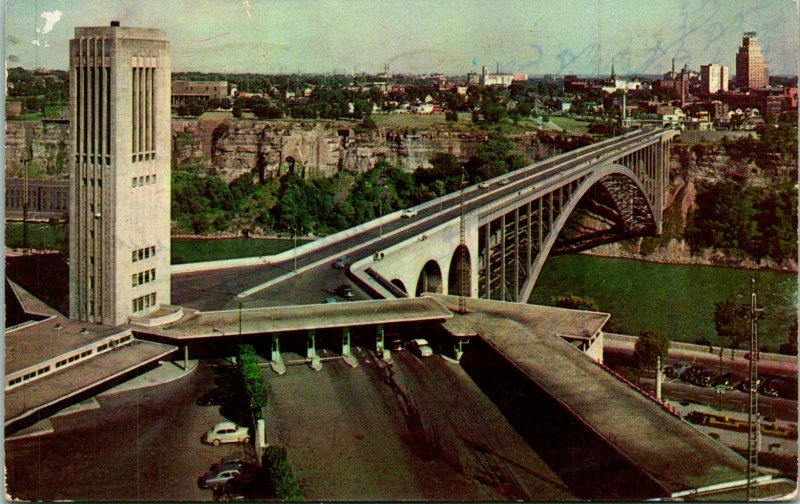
751, 70
713, 78
203, 90
46, 198
498, 79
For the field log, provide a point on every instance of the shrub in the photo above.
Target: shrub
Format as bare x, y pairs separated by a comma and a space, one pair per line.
251, 374
280, 474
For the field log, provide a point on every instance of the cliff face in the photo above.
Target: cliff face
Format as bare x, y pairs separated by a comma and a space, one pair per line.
268, 149
229, 149
46, 144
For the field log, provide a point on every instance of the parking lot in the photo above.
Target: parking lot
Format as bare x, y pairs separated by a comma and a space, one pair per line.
142, 444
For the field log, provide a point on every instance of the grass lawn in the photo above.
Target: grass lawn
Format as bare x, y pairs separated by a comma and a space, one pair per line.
424, 121
571, 124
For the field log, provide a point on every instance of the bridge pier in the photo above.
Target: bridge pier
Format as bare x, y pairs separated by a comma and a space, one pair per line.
311, 351
276, 361
346, 355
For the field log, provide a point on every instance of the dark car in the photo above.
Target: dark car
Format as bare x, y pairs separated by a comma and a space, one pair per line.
705, 378
676, 370
690, 374
342, 263
234, 460
214, 397
728, 380
345, 291
255, 489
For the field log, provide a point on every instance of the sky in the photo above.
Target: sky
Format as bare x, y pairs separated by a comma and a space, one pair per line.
534, 37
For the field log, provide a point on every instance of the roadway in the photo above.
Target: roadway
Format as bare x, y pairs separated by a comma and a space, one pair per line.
215, 290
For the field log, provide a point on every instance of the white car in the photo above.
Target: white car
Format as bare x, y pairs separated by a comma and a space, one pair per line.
505, 181
226, 432
420, 347
409, 213
483, 185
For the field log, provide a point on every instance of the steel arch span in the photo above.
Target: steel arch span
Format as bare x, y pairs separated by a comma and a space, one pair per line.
515, 245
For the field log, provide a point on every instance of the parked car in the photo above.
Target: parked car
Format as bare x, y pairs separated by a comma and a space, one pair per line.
705, 378
744, 386
257, 489
677, 369
330, 299
224, 474
226, 432
341, 263
420, 347
408, 213
345, 291
690, 374
728, 380
233, 459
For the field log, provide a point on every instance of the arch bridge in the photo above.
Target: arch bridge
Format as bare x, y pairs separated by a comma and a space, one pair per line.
602, 193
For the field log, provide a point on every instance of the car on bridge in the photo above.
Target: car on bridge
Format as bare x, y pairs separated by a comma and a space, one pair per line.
341, 263
345, 291
226, 432
505, 181
408, 213
484, 185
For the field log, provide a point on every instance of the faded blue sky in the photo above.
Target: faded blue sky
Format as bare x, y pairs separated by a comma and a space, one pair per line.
451, 36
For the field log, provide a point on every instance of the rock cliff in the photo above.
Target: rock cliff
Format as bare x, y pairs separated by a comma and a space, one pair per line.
46, 144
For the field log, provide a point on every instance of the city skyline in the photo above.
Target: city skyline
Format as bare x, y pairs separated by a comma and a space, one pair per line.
452, 37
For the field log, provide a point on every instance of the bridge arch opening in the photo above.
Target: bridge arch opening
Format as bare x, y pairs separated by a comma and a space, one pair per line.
430, 279
460, 276
399, 284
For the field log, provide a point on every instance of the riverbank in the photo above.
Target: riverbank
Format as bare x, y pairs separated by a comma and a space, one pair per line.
678, 252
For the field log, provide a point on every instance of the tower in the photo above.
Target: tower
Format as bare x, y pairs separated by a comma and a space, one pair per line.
119, 235
751, 72
713, 78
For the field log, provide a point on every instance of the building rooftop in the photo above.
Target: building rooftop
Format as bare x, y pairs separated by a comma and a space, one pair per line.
35, 341
673, 452
50, 389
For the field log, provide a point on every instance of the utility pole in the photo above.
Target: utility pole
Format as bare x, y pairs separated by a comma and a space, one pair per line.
465, 283
752, 414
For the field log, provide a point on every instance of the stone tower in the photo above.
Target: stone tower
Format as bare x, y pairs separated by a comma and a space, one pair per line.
119, 227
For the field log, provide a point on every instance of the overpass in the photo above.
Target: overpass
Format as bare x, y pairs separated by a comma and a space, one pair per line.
511, 224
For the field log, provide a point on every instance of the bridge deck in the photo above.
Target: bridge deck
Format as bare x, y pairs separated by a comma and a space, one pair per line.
301, 318
674, 453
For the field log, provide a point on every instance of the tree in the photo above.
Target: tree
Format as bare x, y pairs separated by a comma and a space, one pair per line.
451, 115
724, 218
732, 321
649, 347
574, 302
790, 346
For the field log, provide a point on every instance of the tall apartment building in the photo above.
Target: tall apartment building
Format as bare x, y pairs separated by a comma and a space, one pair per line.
751, 70
713, 78
119, 173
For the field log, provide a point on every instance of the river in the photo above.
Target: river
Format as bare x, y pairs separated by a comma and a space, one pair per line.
675, 299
